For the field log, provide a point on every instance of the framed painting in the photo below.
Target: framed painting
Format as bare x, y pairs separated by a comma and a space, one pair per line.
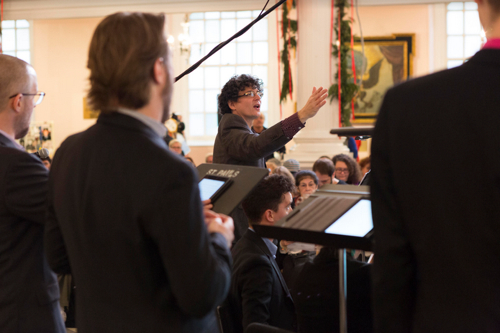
386, 61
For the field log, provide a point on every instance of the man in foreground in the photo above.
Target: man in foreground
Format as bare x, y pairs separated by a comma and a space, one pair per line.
29, 294
436, 262
131, 231
259, 293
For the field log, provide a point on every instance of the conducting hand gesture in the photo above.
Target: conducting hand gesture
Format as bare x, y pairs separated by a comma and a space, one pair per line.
314, 103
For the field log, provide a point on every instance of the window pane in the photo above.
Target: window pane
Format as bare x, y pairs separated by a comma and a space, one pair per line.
261, 73
455, 23
196, 16
211, 124
226, 73
8, 24
243, 70
24, 55
454, 63
455, 47
256, 13
472, 24
196, 101
228, 28
212, 78
22, 24
260, 53
196, 78
247, 36
264, 103
23, 39
214, 59
228, 54
11, 53
212, 30
470, 6
244, 54
196, 124
196, 53
228, 15
260, 30
212, 15
196, 31
211, 100
455, 6
8, 39
266, 123
244, 14
472, 45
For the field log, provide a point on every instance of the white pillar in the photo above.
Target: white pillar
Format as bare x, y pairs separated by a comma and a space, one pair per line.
315, 139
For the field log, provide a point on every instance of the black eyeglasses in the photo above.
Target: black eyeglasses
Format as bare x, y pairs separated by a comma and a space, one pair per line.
252, 94
37, 99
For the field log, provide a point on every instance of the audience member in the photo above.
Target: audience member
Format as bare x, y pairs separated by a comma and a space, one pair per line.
176, 146
258, 127
272, 164
324, 170
316, 295
258, 292
346, 169
365, 165
292, 165
190, 160
29, 295
209, 158
47, 161
307, 183
132, 230
436, 238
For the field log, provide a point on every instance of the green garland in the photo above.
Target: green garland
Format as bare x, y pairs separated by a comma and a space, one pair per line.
289, 28
347, 85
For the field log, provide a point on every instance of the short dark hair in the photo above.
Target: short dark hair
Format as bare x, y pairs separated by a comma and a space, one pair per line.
232, 88
324, 167
495, 5
122, 54
267, 195
303, 174
354, 170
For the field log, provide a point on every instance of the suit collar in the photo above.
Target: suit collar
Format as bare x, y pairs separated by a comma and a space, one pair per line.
117, 119
486, 57
235, 118
8, 142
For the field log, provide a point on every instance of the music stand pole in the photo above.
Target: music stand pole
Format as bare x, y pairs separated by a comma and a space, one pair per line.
343, 290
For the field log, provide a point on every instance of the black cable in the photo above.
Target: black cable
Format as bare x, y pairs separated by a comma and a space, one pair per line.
264, 8
221, 45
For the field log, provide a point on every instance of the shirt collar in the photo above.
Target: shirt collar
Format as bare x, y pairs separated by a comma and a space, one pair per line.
493, 43
156, 126
270, 245
17, 145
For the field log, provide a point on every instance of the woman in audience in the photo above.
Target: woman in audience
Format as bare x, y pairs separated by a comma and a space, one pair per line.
307, 183
176, 147
346, 169
365, 165
316, 295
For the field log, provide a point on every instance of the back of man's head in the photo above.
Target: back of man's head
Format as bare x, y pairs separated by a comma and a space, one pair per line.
122, 54
268, 194
14, 78
324, 167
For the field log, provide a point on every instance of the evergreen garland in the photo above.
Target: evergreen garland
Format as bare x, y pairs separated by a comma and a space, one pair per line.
347, 85
289, 29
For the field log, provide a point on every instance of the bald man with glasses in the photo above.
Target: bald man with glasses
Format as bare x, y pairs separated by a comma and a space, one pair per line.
29, 294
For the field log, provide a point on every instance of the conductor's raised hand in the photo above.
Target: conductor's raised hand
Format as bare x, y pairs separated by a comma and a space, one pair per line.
314, 103
220, 223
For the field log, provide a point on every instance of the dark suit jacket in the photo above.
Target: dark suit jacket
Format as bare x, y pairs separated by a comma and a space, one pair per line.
282, 150
436, 202
235, 142
258, 291
127, 213
29, 292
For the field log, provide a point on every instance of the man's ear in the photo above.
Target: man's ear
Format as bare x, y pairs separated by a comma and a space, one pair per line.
15, 103
159, 71
269, 216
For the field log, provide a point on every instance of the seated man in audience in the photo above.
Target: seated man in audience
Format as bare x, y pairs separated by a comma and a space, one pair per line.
324, 169
258, 291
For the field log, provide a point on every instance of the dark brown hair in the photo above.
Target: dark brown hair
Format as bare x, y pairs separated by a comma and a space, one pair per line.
324, 167
122, 54
232, 89
354, 170
303, 174
268, 194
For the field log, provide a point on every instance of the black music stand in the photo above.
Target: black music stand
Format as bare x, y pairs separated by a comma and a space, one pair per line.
308, 221
244, 178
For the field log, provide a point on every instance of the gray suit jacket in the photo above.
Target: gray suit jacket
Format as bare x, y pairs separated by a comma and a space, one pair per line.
237, 144
29, 292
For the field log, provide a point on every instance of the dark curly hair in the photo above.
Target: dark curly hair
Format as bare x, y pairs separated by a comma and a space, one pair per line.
267, 195
354, 170
232, 88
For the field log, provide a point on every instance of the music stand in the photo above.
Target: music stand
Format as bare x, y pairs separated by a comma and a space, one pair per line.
244, 178
314, 219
